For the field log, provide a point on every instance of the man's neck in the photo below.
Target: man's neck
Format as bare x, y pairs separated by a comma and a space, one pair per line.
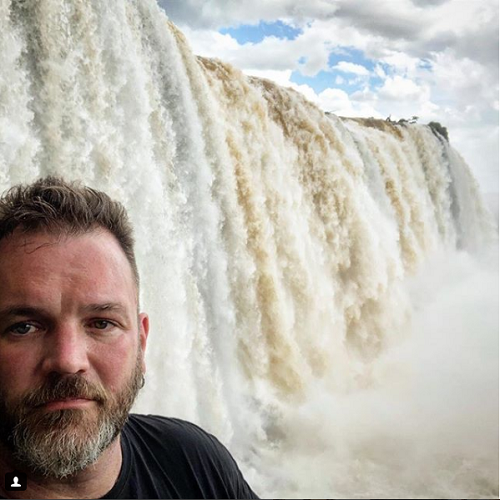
93, 482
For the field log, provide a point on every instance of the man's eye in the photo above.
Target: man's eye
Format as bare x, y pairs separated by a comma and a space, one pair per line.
22, 328
102, 324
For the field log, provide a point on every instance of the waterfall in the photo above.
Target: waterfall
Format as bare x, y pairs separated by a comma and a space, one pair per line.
301, 270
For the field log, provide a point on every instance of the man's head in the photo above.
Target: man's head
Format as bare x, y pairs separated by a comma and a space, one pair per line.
71, 341
71, 209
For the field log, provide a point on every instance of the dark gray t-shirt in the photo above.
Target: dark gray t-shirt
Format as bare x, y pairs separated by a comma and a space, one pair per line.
171, 458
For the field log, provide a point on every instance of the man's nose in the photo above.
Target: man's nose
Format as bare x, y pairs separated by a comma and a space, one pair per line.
66, 350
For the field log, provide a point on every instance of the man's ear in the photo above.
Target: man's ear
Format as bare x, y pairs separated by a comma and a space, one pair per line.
143, 337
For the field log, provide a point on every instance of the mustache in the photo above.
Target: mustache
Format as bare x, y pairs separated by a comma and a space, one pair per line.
62, 387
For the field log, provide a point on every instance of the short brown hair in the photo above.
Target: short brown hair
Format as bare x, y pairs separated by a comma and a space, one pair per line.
71, 208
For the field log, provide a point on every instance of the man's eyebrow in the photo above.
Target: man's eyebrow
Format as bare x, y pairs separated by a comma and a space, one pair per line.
106, 306
22, 310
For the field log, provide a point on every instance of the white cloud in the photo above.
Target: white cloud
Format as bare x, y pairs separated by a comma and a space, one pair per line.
211, 43
280, 77
401, 62
217, 13
339, 102
465, 82
417, 28
335, 100
348, 67
394, 20
403, 89
379, 71
270, 54
470, 30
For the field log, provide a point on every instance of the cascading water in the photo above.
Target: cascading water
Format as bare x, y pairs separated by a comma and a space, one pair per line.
303, 273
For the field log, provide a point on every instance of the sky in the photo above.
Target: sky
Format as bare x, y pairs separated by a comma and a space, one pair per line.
434, 59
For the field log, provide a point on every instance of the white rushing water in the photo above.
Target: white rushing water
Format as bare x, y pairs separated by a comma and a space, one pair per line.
323, 292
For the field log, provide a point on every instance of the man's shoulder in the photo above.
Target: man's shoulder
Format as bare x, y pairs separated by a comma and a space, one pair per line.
159, 421
179, 455
174, 431
152, 424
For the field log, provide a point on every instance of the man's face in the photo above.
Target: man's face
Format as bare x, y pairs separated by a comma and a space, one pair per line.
71, 348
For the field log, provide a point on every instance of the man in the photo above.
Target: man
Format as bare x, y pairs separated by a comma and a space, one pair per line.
72, 345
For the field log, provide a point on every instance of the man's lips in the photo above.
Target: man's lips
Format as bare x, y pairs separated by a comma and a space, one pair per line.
67, 403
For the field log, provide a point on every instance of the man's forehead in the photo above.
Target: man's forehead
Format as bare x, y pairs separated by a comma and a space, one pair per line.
25, 238
93, 256
99, 241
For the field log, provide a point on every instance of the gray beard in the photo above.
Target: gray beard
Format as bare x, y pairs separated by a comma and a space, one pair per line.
61, 443
67, 448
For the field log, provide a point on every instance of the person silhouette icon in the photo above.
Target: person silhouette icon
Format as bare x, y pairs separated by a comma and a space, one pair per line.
15, 483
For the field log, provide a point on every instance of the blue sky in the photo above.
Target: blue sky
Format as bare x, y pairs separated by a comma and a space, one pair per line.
401, 58
254, 34
334, 77
248, 33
